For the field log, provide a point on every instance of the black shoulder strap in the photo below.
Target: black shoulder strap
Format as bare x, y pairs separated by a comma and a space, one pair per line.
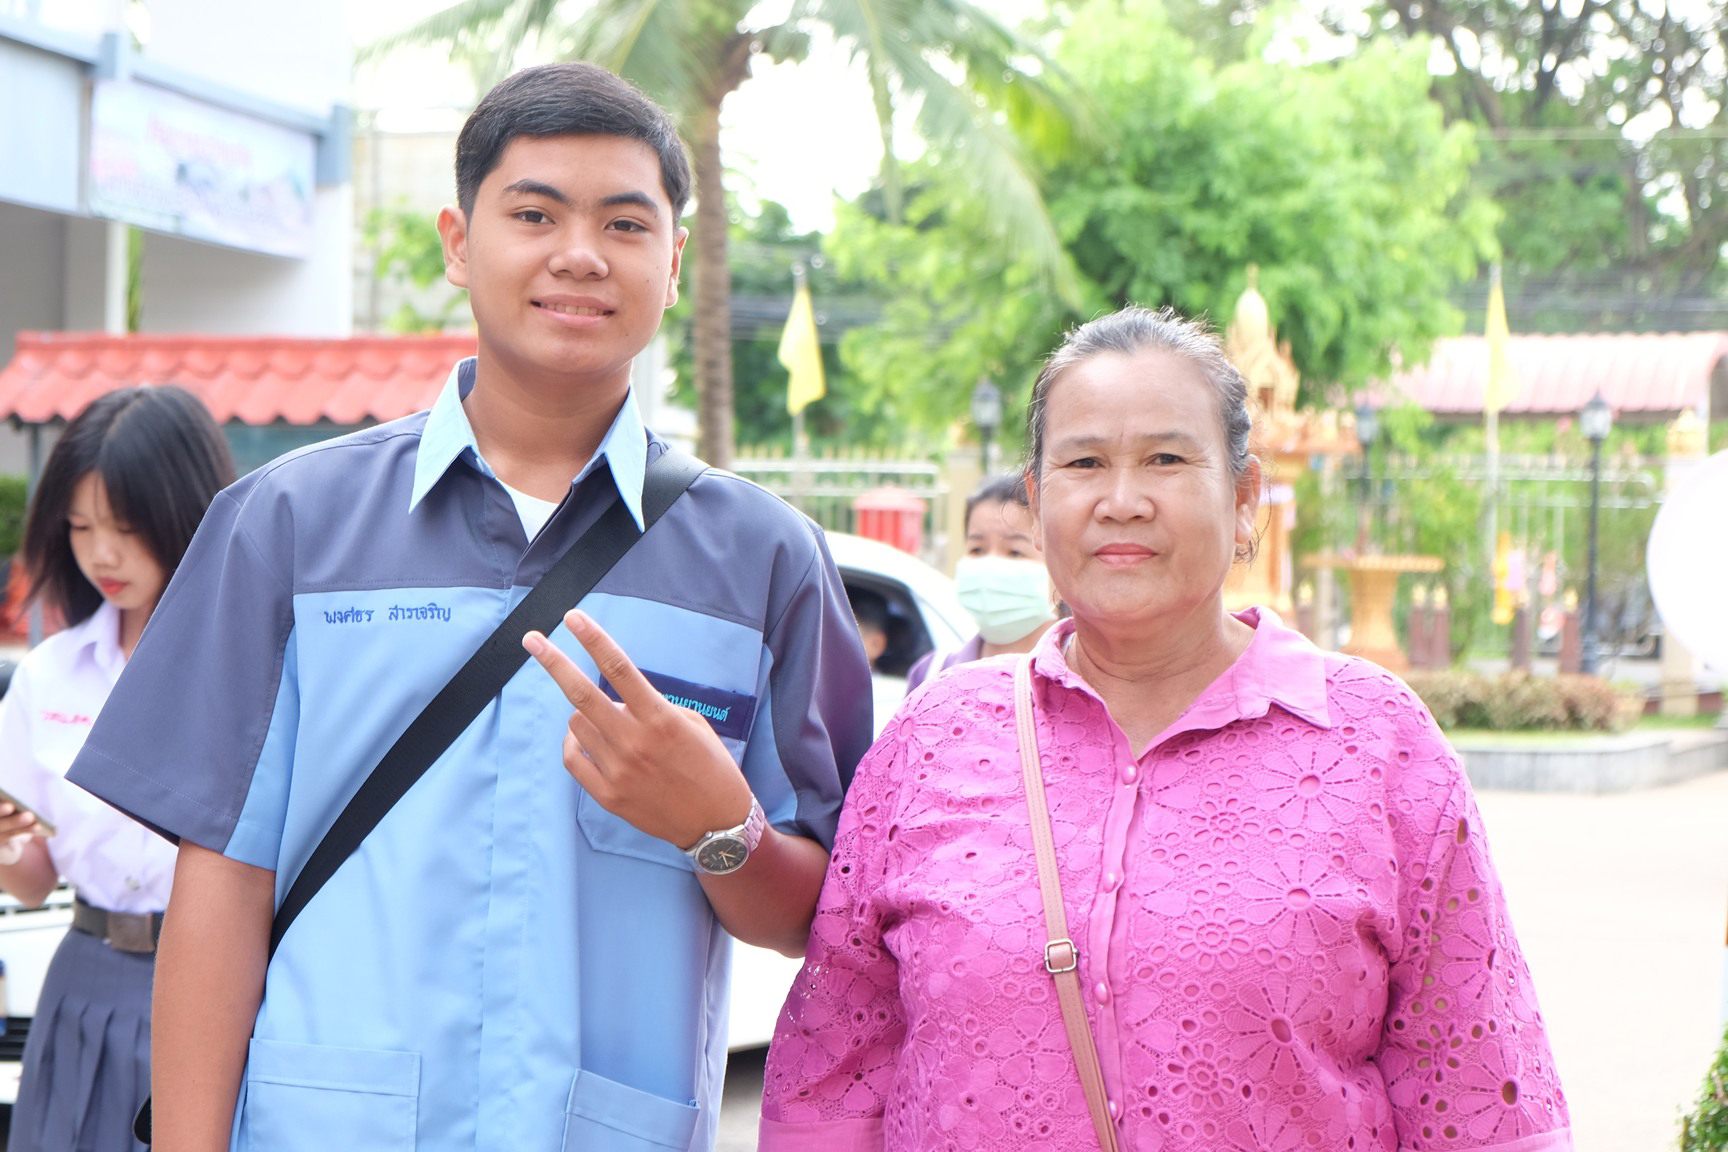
450, 712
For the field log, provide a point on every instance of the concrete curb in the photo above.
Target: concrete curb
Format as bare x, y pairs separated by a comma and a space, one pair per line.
1593, 764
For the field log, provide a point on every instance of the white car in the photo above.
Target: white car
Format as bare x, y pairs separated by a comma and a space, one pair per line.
923, 614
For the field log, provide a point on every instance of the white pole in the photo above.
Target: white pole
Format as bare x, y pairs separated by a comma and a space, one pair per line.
114, 280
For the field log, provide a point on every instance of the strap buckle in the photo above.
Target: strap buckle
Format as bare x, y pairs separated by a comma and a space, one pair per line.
132, 932
1056, 961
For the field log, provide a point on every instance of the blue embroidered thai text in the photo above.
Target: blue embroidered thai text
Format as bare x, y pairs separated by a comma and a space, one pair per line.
419, 612
718, 715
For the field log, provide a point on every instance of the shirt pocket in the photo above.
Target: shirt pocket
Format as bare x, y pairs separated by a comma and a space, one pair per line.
606, 1116
304, 1096
607, 833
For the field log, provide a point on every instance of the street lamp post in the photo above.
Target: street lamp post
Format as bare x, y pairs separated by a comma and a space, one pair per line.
987, 415
1367, 431
1595, 421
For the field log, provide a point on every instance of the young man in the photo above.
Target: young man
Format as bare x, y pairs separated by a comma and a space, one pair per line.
517, 957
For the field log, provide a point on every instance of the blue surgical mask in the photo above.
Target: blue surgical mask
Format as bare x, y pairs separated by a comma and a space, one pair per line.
1009, 598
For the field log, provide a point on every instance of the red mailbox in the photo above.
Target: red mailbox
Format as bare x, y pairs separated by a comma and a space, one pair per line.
893, 516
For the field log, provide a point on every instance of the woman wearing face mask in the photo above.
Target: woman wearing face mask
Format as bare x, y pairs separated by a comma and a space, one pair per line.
1001, 580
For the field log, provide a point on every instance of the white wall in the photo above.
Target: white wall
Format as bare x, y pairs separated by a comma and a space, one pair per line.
192, 287
300, 56
295, 54
32, 253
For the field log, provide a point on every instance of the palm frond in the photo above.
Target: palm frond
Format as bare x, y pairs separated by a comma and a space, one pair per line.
463, 22
971, 79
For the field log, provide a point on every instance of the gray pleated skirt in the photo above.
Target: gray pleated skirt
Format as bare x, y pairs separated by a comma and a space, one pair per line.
87, 1057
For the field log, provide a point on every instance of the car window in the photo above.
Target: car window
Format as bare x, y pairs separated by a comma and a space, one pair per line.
908, 635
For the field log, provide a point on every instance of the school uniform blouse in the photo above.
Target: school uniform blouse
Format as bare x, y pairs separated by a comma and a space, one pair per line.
1291, 935
54, 696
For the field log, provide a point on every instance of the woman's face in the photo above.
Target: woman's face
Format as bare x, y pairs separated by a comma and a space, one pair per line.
111, 556
1002, 528
1138, 513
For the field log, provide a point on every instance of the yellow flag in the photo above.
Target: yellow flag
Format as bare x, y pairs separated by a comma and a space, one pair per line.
1504, 605
801, 353
1502, 386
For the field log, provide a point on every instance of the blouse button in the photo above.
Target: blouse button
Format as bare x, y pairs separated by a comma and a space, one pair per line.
1101, 991
1130, 774
1112, 881
1115, 1110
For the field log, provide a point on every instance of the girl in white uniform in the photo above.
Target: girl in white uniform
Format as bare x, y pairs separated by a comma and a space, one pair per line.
117, 504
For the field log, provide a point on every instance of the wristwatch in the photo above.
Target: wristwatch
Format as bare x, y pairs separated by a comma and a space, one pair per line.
719, 853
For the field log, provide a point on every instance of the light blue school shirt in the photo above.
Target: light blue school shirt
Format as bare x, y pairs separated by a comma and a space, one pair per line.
502, 964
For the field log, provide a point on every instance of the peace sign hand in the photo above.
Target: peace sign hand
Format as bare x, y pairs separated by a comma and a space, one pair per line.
647, 761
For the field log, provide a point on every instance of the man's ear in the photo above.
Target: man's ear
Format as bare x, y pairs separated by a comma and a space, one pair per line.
677, 263
453, 231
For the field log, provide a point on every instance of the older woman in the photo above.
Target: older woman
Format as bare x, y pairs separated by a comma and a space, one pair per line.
1289, 932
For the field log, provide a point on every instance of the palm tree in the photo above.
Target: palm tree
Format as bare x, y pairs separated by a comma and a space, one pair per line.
968, 75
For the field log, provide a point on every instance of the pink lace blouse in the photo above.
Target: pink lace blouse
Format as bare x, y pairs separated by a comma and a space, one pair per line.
1291, 933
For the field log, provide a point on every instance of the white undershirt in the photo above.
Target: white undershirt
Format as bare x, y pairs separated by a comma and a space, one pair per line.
533, 510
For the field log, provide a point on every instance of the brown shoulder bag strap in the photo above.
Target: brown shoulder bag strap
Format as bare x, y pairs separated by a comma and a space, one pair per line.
1061, 956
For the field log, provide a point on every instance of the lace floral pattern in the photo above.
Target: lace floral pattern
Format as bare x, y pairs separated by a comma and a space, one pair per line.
1292, 936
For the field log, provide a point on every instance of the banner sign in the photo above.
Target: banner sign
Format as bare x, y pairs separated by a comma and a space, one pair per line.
173, 164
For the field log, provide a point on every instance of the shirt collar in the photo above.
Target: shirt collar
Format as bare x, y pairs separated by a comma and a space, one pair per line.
98, 638
448, 437
1280, 666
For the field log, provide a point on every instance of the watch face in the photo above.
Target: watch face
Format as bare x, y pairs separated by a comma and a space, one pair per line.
722, 854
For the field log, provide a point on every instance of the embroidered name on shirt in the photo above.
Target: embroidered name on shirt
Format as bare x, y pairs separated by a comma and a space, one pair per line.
728, 713
348, 616
67, 718
420, 612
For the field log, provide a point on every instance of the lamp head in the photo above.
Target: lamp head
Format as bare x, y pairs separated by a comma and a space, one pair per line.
986, 405
1596, 420
1367, 424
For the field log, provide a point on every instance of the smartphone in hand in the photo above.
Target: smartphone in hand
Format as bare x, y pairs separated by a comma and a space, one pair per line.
44, 828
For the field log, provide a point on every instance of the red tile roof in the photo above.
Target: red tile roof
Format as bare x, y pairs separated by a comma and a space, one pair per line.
1639, 374
247, 379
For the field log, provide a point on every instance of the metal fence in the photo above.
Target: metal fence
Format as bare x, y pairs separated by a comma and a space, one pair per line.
828, 485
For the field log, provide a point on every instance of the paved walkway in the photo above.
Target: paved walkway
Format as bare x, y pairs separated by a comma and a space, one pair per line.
1621, 903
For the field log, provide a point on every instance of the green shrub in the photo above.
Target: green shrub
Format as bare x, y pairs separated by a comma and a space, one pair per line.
1520, 702
1454, 696
1705, 1129
12, 497
1591, 703
1517, 701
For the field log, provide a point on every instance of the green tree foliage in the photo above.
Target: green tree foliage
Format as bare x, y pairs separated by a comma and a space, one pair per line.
764, 248
1340, 181
953, 308
410, 256
1705, 1129
1605, 144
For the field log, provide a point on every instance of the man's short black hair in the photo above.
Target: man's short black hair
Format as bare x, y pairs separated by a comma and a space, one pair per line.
566, 99
869, 608
162, 460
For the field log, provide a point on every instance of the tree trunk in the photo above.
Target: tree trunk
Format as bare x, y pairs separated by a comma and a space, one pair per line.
713, 351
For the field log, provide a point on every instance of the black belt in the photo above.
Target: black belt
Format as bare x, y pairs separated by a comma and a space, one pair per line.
121, 931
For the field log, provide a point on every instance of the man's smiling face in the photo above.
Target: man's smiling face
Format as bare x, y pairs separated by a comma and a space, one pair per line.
570, 256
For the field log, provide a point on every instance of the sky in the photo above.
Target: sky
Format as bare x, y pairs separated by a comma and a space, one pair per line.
796, 134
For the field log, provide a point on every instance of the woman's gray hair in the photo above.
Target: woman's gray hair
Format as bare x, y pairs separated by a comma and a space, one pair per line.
1135, 329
